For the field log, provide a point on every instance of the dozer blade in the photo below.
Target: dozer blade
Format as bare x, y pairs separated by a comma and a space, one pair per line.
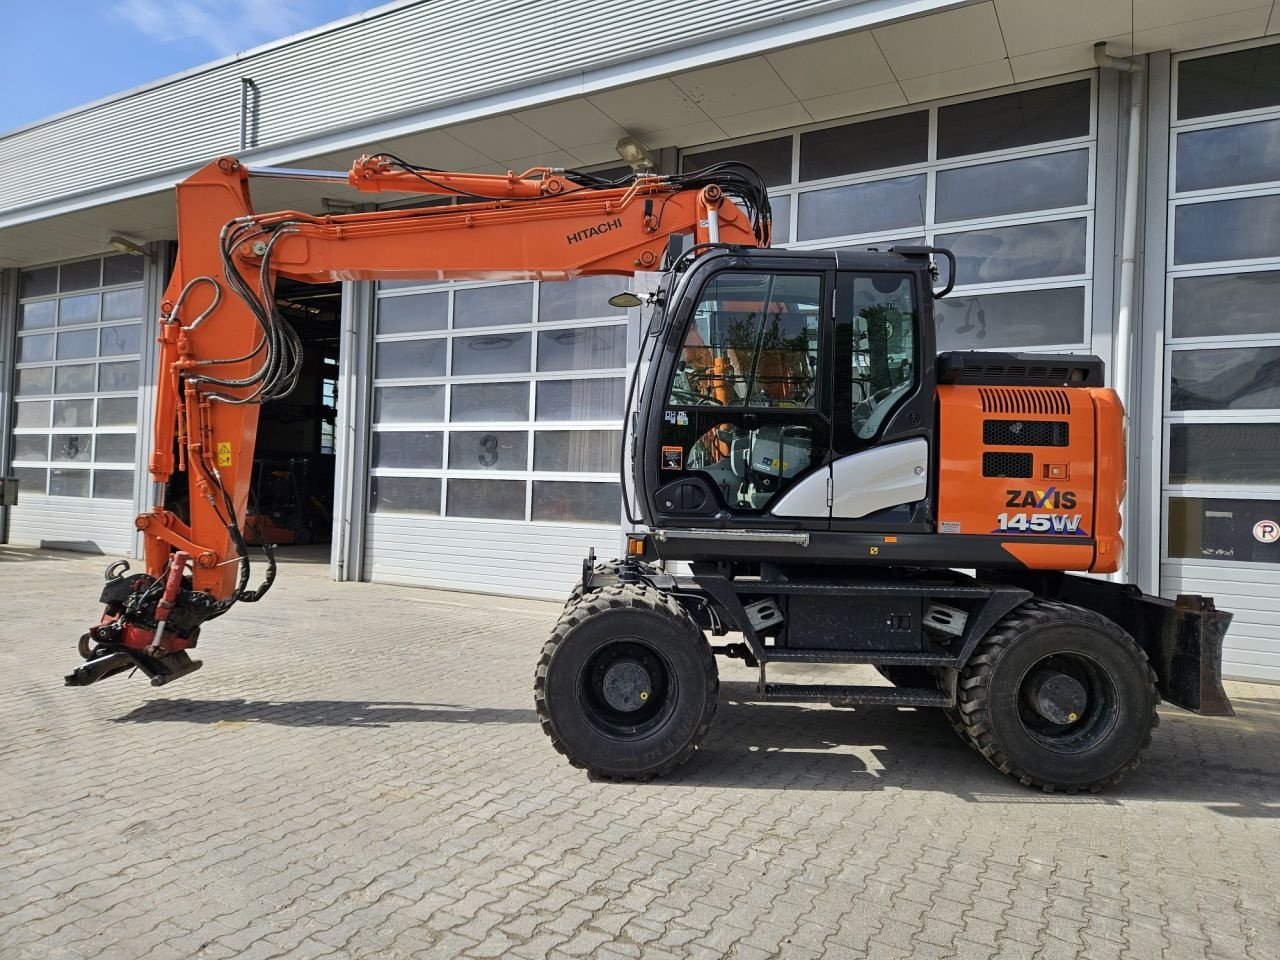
1191, 651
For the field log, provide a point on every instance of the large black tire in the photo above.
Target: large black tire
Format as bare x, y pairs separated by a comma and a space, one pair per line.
606, 568
1110, 694
626, 686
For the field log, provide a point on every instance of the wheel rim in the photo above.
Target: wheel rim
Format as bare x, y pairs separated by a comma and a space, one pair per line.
1067, 703
627, 689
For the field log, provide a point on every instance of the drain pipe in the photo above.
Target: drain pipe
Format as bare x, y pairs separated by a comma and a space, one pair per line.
1122, 366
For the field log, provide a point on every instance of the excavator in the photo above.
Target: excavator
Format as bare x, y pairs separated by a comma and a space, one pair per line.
806, 481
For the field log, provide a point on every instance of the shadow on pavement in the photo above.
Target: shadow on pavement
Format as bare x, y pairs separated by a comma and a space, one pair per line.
1229, 763
12, 554
318, 713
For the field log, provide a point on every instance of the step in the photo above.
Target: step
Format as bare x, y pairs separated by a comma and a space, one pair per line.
869, 696
894, 658
872, 588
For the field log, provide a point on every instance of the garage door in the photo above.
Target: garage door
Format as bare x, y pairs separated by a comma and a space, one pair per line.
1222, 360
76, 403
496, 430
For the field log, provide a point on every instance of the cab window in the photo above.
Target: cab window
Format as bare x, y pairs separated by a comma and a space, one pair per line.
752, 342
883, 348
743, 409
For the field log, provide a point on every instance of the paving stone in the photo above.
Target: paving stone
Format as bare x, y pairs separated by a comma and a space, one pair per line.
396, 799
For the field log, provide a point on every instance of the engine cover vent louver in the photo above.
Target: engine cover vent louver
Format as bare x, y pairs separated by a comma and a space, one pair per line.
1026, 433
1050, 402
985, 368
1014, 465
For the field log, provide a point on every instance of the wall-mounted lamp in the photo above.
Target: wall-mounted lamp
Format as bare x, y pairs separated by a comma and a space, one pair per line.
634, 152
124, 245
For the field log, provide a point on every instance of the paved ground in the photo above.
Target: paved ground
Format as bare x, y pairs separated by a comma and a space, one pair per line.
357, 772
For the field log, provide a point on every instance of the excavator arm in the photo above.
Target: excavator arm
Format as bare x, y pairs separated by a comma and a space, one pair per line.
225, 349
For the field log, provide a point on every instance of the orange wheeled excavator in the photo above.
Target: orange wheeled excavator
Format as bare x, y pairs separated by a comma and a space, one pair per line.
808, 482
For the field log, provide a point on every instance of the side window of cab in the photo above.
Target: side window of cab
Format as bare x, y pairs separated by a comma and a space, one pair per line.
881, 340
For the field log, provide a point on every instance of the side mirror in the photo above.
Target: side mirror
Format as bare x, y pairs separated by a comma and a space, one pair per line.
933, 267
625, 299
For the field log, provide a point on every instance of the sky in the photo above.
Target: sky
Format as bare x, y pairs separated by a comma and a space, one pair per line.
60, 54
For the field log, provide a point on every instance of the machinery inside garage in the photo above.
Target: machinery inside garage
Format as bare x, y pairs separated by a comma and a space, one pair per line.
292, 494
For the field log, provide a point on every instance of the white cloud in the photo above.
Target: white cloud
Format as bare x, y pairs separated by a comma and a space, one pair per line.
225, 26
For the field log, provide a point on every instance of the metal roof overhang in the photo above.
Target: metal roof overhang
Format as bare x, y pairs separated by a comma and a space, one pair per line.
447, 110
839, 59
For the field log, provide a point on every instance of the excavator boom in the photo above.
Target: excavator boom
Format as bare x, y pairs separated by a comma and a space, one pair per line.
225, 349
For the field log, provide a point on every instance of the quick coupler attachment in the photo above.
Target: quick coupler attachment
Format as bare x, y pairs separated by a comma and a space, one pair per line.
148, 624
161, 670
173, 666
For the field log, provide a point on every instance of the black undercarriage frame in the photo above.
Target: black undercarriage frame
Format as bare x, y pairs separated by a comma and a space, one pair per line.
890, 617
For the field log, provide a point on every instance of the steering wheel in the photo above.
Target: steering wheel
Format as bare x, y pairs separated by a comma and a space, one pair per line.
691, 398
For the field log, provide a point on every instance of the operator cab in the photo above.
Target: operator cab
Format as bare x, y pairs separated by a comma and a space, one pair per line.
793, 390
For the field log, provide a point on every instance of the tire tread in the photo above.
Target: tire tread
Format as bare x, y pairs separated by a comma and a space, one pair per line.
620, 596
968, 718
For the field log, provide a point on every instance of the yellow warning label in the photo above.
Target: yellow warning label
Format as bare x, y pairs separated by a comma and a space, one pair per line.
224, 454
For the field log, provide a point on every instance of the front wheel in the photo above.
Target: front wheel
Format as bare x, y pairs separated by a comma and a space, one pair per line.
610, 570
1058, 697
626, 686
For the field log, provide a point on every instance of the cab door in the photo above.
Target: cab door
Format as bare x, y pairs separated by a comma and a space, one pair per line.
746, 410
882, 402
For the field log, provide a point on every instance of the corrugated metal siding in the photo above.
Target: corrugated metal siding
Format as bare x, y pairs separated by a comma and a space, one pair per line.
406, 59
537, 560
1252, 650
71, 523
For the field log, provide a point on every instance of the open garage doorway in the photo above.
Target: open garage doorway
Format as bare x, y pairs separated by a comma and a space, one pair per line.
291, 500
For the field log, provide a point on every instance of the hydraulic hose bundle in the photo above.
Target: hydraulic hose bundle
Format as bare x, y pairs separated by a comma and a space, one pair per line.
740, 182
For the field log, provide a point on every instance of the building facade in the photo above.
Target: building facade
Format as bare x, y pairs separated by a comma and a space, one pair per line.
477, 425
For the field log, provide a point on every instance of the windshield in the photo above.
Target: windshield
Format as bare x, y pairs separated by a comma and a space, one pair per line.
752, 342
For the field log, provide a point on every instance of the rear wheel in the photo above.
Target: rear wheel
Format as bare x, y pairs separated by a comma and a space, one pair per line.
1058, 697
626, 686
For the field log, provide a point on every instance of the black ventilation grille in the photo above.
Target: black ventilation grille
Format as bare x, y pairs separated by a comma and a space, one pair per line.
1034, 375
988, 368
1007, 465
1025, 433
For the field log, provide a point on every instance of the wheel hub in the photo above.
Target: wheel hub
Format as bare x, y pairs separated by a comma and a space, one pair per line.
1057, 697
627, 686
